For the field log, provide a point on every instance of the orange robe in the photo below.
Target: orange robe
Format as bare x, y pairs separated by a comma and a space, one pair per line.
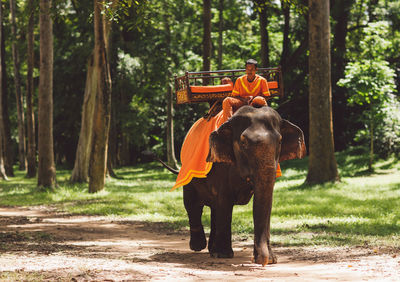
244, 88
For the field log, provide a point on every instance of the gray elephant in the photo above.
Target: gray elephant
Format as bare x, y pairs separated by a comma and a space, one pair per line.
245, 152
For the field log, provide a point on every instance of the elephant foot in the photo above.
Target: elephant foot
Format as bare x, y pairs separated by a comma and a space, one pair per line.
222, 254
271, 259
198, 239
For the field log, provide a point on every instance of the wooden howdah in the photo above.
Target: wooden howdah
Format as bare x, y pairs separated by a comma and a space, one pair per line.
184, 95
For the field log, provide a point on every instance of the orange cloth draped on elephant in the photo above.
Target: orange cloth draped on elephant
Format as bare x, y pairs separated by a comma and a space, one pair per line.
195, 150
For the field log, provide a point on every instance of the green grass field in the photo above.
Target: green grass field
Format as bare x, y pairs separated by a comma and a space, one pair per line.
363, 209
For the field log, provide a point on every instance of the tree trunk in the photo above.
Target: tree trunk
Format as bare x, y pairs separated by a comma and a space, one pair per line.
123, 150
18, 94
3, 174
264, 36
286, 30
112, 56
112, 141
322, 162
220, 32
170, 130
206, 35
5, 132
46, 167
170, 103
371, 136
101, 118
30, 117
80, 172
340, 14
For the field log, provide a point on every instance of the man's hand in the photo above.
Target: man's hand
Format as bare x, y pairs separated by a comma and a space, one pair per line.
246, 99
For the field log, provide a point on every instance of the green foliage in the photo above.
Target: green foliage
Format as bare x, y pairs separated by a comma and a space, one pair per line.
387, 133
369, 80
360, 210
153, 40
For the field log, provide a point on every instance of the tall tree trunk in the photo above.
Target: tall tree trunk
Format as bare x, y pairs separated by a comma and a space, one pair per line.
371, 137
112, 54
170, 108
30, 117
124, 150
340, 14
322, 162
3, 174
220, 32
46, 167
112, 141
286, 30
264, 35
170, 130
5, 132
206, 35
101, 119
18, 94
80, 172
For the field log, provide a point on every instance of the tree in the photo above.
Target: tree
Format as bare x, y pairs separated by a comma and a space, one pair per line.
220, 32
170, 102
46, 166
102, 112
340, 13
18, 94
286, 29
80, 172
322, 163
3, 89
206, 35
370, 82
5, 132
30, 117
3, 174
261, 6
2, 170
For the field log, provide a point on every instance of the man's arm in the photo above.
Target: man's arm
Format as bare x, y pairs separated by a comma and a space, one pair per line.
264, 88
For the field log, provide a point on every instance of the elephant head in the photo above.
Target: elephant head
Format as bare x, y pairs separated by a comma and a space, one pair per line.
255, 140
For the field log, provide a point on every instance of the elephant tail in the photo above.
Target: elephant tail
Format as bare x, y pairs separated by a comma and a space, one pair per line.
156, 158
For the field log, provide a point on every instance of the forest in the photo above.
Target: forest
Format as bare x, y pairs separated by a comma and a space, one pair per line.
149, 42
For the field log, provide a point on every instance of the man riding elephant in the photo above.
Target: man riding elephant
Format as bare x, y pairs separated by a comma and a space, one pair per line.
250, 88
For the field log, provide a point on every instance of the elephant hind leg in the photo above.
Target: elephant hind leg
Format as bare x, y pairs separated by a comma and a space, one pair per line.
194, 210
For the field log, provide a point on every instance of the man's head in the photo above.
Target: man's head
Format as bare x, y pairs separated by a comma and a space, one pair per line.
251, 68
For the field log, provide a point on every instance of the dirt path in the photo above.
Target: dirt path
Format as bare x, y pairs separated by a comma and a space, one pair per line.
38, 243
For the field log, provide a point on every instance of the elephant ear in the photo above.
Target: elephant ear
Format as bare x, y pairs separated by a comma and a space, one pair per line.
292, 142
221, 148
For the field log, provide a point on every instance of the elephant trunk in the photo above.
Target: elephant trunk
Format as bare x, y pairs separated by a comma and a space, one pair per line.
262, 205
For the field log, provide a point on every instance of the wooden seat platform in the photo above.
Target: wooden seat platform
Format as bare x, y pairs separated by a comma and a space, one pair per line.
205, 86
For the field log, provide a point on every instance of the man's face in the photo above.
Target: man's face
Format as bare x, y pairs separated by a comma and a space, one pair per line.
251, 71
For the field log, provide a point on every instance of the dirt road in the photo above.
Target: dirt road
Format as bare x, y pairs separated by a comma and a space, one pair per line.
38, 243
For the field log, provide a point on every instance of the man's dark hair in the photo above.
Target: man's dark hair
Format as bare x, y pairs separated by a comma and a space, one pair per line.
251, 62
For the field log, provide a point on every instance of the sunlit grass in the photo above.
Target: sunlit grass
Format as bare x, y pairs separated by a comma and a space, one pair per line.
360, 210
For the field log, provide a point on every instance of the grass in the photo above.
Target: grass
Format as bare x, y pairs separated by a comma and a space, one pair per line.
363, 209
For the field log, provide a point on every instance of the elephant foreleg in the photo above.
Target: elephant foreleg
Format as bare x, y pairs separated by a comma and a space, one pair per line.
194, 210
222, 241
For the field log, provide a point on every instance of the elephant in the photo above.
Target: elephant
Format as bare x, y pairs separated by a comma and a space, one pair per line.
245, 152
